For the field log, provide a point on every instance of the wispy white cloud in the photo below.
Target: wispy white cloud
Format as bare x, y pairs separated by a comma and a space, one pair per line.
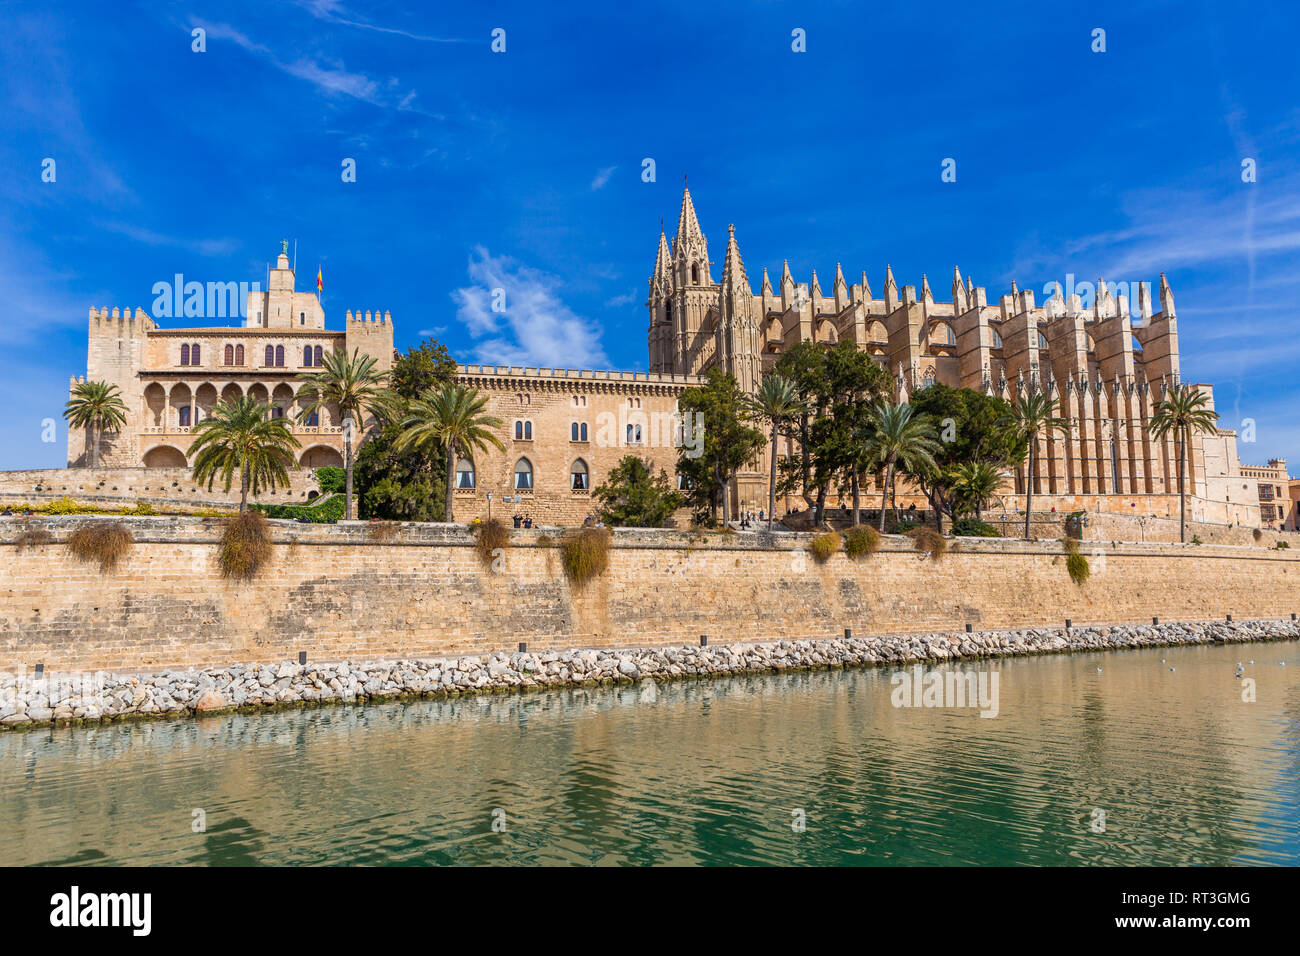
530, 325
619, 301
332, 80
602, 177
332, 11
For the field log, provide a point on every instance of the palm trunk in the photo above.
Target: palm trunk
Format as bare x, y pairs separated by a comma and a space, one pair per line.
884, 494
94, 445
243, 489
347, 469
1029, 486
1182, 492
857, 498
451, 480
771, 482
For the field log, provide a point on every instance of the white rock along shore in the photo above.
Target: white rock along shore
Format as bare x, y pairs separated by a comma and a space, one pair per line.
27, 701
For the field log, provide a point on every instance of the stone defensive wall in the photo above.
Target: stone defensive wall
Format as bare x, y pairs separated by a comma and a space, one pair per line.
363, 592
117, 486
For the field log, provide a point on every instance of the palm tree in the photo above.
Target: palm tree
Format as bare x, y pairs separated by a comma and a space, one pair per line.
975, 483
898, 437
1183, 412
353, 385
777, 402
241, 435
1035, 412
96, 407
450, 418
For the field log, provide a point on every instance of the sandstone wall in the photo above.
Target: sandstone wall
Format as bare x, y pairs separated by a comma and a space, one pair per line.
116, 487
357, 592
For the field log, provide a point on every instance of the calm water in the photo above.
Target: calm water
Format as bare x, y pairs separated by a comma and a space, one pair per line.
703, 773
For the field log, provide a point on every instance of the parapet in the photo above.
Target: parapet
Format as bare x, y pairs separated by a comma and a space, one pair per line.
583, 374
375, 317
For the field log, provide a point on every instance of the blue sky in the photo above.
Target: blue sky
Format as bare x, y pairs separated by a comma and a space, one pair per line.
523, 169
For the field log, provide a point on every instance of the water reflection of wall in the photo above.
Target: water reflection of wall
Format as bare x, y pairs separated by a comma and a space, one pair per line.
705, 771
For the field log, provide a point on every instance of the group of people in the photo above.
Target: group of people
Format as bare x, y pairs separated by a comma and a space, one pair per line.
9, 512
747, 519
523, 521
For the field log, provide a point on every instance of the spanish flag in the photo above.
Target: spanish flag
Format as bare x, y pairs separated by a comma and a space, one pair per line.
320, 282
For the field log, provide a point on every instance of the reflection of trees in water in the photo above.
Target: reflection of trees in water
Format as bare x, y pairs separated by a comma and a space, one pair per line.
707, 771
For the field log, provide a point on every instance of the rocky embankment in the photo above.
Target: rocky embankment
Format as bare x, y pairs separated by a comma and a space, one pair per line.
26, 700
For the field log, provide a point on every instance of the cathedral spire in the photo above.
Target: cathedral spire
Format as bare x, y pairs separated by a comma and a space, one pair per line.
690, 249
688, 226
891, 290
663, 258
734, 278
767, 283
866, 287
814, 289
840, 289
960, 302
925, 288
1166, 297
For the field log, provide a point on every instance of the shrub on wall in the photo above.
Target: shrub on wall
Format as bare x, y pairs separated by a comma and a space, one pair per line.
928, 541
325, 511
974, 528
905, 526
245, 546
824, 545
102, 541
1076, 565
861, 539
331, 480
585, 554
491, 536
32, 536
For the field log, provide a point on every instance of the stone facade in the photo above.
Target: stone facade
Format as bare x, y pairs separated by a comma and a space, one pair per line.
347, 591
1106, 367
1273, 482
171, 378
564, 430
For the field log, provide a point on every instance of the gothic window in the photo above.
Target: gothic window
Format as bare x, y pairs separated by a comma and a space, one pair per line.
229, 355
464, 473
318, 354
634, 434
279, 356
239, 355
185, 354
306, 356
523, 430
928, 379
270, 356
695, 274
997, 339
194, 354
668, 311
302, 318
578, 476
523, 475
312, 420
1042, 340
184, 416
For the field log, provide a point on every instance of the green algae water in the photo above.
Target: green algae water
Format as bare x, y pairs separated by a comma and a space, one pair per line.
805, 769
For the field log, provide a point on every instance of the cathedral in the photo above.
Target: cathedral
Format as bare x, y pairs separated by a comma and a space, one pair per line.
1106, 367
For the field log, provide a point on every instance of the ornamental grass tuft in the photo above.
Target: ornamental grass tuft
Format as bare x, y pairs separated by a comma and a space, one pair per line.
245, 546
103, 541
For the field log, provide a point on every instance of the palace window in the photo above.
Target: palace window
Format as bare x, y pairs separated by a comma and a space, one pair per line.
634, 434
229, 355
184, 416
277, 411
524, 475
578, 476
239, 355
306, 356
185, 354
194, 354
270, 356
578, 431
523, 430
279, 356
302, 318
312, 420
464, 473
319, 355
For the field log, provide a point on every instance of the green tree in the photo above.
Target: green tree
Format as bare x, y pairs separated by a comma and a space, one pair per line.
406, 484
451, 419
97, 407
633, 496
1035, 412
1183, 412
898, 438
241, 436
972, 485
728, 441
356, 388
973, 427
778, 403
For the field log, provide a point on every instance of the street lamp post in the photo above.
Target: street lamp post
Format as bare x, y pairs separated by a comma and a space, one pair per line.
489, 497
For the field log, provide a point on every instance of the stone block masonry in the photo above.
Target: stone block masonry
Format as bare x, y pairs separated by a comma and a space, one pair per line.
357, 592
